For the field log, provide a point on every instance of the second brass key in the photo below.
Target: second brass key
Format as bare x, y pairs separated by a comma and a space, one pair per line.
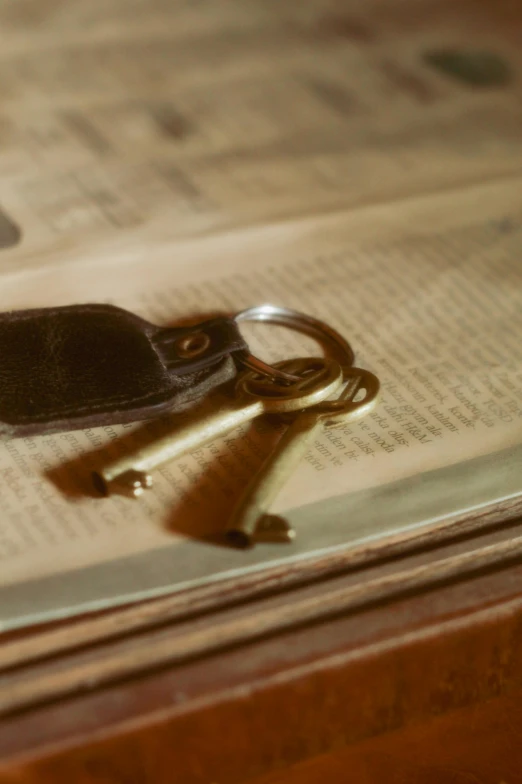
319, 378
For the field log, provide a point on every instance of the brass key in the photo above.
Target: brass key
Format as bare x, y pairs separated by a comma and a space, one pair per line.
318, 378
250, 522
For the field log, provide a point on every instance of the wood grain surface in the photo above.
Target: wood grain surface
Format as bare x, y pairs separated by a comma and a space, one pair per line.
53, 639
300, 675
476, 745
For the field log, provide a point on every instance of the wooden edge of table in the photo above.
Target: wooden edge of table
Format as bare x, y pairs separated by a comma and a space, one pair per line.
308, 668
24, 646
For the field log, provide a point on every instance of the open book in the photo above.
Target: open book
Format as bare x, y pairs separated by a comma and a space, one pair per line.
363, 166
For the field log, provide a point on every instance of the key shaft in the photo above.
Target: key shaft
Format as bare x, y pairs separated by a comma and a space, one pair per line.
250, 521
245, 524
130, 474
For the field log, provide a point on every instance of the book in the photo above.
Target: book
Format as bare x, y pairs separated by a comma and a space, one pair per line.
351, 165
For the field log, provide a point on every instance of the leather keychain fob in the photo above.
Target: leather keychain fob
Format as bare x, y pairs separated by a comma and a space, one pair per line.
83, 366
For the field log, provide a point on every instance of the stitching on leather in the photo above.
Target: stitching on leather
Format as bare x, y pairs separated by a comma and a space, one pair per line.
85, 409
21, 315
93, 406
97, 403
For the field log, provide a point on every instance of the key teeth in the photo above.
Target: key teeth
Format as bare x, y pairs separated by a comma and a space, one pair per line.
270, 529
274, 529
136, 482
133, 483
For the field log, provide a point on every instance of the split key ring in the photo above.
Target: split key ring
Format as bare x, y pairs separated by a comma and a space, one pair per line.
327, 336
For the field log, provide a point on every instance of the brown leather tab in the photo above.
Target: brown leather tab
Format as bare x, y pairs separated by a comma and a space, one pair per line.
90, 365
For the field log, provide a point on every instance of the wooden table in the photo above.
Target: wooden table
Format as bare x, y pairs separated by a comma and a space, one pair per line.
403, 664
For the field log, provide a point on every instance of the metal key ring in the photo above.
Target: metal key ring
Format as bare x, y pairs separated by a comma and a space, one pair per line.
300, 322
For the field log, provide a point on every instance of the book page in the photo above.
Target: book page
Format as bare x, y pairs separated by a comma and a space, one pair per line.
127, 124
428, 291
